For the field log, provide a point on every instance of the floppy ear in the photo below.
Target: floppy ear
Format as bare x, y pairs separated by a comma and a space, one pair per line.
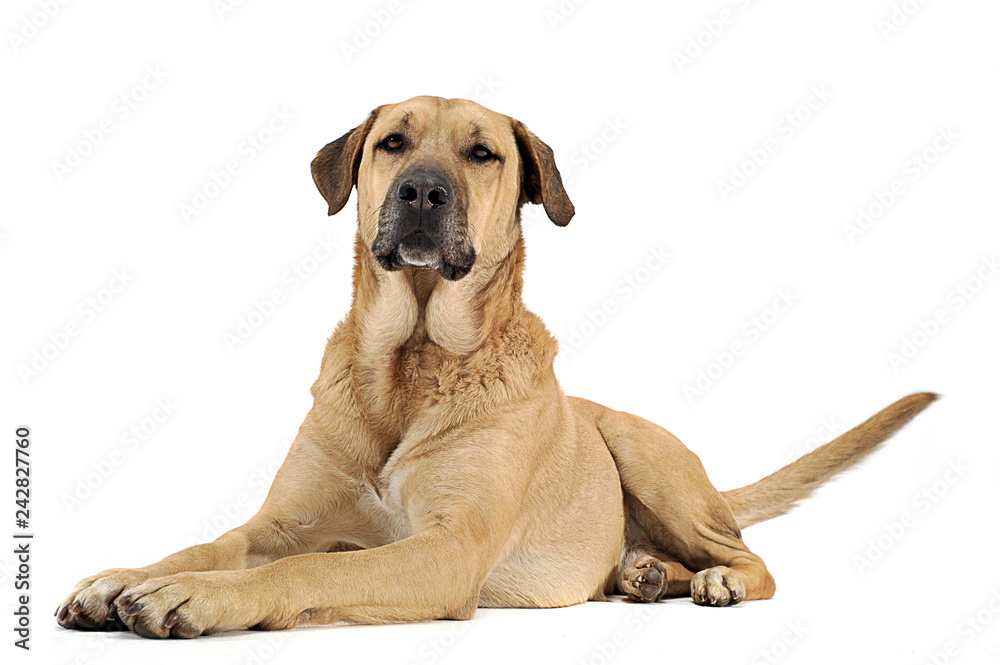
540, 181
335, 168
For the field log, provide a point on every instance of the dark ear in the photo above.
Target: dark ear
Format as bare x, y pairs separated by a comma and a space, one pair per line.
335, 168
540, 180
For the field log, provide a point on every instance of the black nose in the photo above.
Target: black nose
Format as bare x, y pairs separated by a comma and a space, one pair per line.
421, 189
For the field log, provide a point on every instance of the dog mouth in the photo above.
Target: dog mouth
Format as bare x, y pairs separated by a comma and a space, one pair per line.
419, 250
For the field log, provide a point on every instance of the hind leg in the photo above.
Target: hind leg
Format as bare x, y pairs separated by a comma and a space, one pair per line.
646, 573
672, 504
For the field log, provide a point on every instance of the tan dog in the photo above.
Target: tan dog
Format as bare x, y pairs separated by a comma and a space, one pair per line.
441, 467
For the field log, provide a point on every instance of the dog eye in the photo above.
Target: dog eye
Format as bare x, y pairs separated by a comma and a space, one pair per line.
481, 153
393, 142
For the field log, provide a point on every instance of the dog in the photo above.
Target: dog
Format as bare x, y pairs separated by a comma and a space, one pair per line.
441, 467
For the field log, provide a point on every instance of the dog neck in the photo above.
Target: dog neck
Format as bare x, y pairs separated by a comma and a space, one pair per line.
411, 335
416, 306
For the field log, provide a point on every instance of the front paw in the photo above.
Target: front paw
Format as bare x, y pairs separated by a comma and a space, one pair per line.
91, 606
190, 604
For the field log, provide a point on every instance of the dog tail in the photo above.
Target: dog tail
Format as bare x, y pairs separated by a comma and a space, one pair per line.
781, 491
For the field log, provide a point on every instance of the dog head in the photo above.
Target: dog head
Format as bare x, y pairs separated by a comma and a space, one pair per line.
440, 183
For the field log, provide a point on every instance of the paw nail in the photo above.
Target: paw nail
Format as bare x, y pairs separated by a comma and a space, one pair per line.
133, 609
115, 621
172, 619
76, 606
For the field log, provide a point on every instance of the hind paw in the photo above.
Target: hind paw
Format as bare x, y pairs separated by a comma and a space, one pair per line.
645, 580
719, 586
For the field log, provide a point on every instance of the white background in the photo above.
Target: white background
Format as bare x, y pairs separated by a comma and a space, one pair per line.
644, 141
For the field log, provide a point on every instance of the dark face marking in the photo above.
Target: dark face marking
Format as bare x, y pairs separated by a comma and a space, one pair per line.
423, 223
423, 220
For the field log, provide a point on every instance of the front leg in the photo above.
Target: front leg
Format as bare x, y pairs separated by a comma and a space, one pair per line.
428, 576
461, 513
289, 523
91, 604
